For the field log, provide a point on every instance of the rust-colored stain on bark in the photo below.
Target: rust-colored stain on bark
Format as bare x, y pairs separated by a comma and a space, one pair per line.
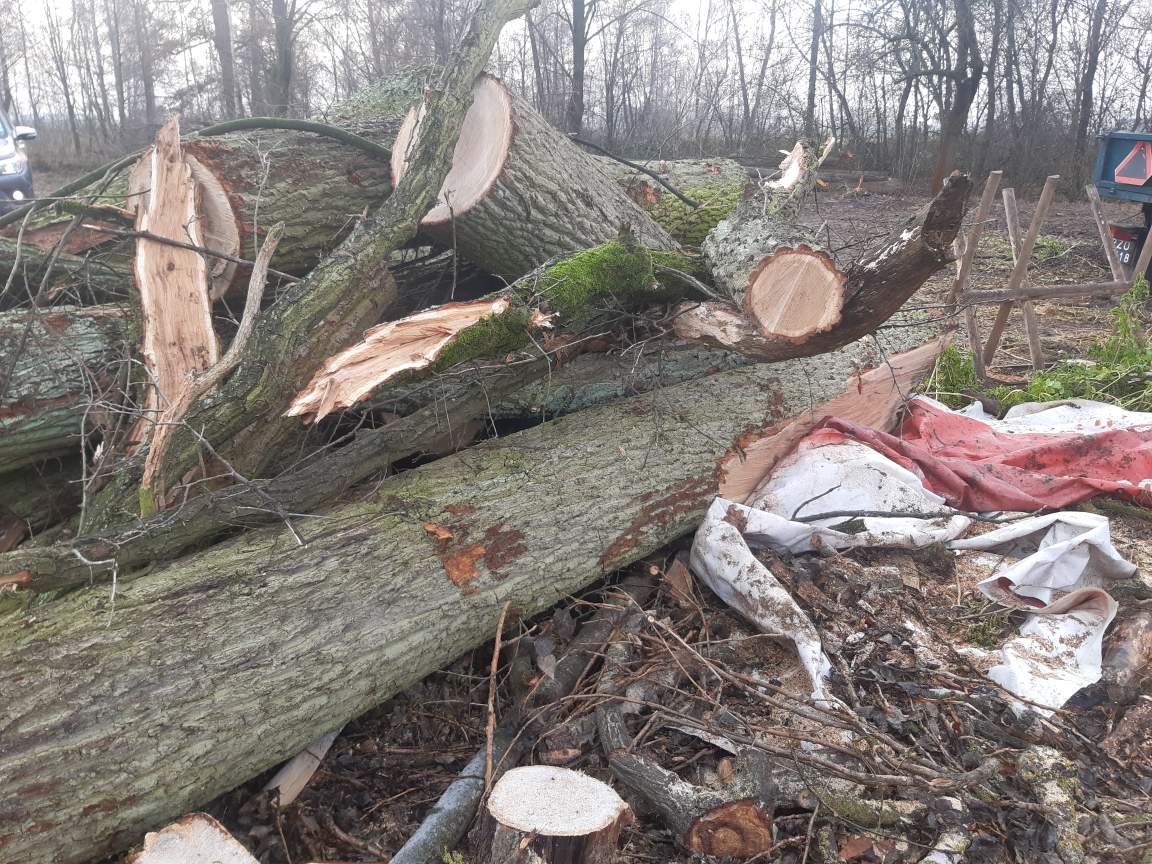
461, 565
499, 548
109, 805
460, 509
503, 546
688, 496
438, 531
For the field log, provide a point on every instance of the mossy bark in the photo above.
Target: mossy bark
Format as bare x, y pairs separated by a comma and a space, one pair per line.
119, 716
716, 185
584, 290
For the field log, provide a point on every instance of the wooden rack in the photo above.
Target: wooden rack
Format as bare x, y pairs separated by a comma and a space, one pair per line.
1017, 291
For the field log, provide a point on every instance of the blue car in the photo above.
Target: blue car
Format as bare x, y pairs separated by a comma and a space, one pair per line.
15, 172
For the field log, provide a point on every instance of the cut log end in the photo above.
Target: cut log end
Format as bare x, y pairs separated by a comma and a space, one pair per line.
480, 151
555, 802
195, 839
740, 829
795, 293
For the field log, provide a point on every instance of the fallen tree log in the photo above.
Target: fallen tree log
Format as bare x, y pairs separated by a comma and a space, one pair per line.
248, 181
875, 288
519, 192
883, 281
715, 186
124, 711
70, 278
56, 369
58, 362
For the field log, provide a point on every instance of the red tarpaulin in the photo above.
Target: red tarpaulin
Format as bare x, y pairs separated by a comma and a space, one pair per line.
979, 468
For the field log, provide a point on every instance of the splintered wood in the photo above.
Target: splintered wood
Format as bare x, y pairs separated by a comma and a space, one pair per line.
176, 314
385, 351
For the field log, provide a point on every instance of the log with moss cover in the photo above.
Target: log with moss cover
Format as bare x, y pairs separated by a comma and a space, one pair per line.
715, 187
566, 300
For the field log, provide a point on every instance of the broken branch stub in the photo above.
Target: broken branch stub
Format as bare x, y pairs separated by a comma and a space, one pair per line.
386, 351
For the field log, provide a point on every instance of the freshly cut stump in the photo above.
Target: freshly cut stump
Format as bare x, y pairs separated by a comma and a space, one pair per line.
548, 815
519, 191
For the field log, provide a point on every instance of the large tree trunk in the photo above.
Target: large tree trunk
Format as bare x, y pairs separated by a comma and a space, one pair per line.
56, 367
520, 192
122, 711
71, 278
250, 180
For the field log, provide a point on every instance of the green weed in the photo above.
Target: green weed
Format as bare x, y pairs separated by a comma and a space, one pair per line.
1047, 247
1118, 368
953, 380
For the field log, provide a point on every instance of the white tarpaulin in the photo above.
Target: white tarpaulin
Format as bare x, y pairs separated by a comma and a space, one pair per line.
1055, 566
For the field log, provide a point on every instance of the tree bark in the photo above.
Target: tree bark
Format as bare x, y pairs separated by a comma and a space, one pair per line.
520, 192
55, 369
71, 278
203, 673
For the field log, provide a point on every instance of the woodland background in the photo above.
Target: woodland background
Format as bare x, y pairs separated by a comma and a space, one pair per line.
1022, 85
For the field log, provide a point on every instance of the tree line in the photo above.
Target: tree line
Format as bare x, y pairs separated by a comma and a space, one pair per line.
908, 87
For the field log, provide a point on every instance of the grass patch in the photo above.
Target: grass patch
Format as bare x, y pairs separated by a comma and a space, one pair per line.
1118, 368
1047, 247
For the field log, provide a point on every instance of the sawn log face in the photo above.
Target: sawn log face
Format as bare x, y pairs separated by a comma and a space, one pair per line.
119, 716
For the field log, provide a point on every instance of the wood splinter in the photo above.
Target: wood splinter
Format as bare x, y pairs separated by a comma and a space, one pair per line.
548, 815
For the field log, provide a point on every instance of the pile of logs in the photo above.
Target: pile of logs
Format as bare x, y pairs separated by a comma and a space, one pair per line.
224, 526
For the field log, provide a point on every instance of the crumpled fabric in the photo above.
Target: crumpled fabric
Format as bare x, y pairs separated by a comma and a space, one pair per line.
1042, 456
1056, 566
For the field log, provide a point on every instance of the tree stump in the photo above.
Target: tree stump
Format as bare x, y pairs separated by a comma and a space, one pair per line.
548, 815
